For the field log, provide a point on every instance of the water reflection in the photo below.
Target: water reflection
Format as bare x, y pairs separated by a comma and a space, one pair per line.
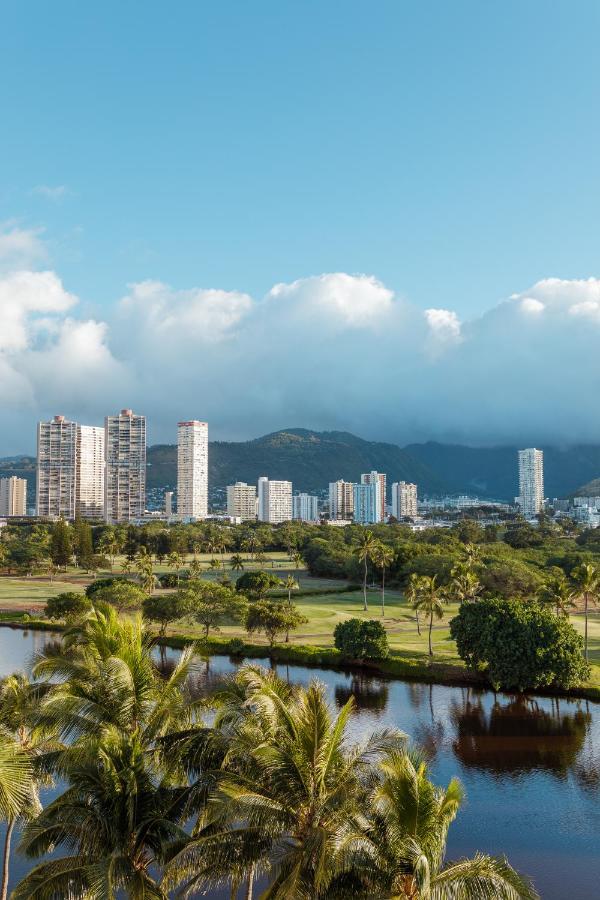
369, 693
516, 735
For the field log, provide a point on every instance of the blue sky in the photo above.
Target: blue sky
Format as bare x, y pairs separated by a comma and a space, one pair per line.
449, 150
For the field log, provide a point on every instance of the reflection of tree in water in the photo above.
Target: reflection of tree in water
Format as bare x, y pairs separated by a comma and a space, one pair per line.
369, 693
202, 681
518, 735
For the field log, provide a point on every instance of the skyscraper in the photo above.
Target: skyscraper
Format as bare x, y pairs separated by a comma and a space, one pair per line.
241, 501
13, 496
89, 472
367, 502
125, 475
274, 501
531, 482
371, 478
192, 469
341, 499
404, 500
56, 493
305, 507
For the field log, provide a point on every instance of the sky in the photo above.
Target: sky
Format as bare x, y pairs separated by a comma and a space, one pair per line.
379, 217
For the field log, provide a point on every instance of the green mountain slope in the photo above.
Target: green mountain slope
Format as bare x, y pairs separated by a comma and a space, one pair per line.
309, 459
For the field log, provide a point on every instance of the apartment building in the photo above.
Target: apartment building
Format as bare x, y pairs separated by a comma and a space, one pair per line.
125, 475
531, 482
305, 507
341, 500
381, 479
404, 500
367, 502
56, 484
192, 469
274, 501
13, 496
89, 472
241, 501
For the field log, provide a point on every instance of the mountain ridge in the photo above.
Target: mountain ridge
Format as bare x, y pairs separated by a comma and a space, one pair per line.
311, 459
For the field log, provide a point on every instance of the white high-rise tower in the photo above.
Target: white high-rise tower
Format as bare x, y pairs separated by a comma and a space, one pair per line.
70, 470
531, 482
192, 469
125, 474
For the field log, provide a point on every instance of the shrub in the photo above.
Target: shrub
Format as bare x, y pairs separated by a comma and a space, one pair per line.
100, 583
519, 645
67, 606
255, 585
357, 639
235, 647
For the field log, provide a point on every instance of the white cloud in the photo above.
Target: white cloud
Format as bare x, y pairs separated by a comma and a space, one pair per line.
54, 193
334, 351
20, 248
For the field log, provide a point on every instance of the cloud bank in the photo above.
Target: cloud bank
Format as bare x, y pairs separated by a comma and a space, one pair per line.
333, 351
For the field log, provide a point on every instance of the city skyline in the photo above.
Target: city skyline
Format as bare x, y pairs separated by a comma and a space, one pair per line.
431, 235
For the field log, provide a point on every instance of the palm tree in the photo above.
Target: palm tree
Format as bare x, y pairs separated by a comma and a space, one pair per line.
364, 552
195, 568
471, 555
430, 600
290, 584
411, 593
402, 854
291, 788
558, 593
465, 585
587, 586
383, 557
109, 545
175, 562
16, 783
116, 817
236, 562
297, 559
19, 705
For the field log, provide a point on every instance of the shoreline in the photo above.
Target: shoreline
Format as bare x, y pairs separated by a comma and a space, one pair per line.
400, 668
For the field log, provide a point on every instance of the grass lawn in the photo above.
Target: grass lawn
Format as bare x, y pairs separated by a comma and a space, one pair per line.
323, 613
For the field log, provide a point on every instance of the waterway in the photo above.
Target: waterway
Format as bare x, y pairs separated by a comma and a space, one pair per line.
530, 765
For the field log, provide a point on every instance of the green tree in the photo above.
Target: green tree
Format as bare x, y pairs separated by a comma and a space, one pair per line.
383, 557
83, 547
360, 639
364, 552
69, 606
411, 593
165, 609
256, 585
60, 544
430, 600
586, 579
236, 562
519, 645
558, 593
403, 851
272, 617
464, 585
125, 596
212, 604
175, 561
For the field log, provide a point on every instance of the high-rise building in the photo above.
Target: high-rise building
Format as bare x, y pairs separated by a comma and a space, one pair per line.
341, 499
274, 501
381, 479
70, 470
404, 500
305, 507
56, 493
367, 502
241, 501
192, 470
168, 504
89, 472
13, 496
125, 475
531, 482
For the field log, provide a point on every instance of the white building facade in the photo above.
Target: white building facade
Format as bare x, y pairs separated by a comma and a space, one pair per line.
381, 479
56, 494
404, 500
367, 503
274, 501
241, 501
531, 482
13, 496
125, 475
305, 507
89, 472
341, 500
192, 470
